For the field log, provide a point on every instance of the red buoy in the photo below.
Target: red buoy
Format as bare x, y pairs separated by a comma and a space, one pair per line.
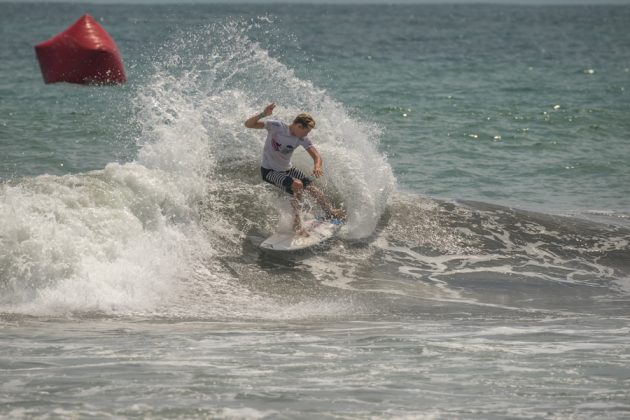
84, 53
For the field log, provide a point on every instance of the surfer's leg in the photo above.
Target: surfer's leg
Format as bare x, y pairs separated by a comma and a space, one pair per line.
325, 203
296, 202
288, 183
321, 199
319, 196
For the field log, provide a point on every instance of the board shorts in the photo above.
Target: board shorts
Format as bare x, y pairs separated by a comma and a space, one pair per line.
284, 179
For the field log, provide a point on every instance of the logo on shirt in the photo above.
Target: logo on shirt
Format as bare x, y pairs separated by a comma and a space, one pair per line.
275, 145
278, 147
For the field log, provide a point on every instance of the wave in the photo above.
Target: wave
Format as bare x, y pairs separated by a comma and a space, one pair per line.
173, 233
140, 237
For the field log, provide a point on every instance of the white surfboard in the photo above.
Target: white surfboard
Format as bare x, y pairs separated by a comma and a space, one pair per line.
318, 232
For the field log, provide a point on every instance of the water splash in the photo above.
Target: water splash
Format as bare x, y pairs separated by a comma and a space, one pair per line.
152, 236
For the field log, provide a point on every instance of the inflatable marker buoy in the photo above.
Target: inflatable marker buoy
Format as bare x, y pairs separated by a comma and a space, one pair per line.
84, 53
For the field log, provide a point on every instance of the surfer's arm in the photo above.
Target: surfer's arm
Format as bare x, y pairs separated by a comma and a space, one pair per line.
254, 121
317, 161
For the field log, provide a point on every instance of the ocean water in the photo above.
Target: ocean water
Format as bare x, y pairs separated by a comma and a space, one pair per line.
481, 152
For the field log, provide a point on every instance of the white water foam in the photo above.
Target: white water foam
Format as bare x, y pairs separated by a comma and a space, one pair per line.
129, 239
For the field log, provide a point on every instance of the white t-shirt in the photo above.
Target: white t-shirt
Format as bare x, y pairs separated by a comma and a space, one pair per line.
280, 145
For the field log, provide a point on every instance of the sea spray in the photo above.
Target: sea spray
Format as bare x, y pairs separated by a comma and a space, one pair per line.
152, 236
100, 241
214, 78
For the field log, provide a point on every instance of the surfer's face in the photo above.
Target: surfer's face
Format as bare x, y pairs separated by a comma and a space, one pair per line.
300, 131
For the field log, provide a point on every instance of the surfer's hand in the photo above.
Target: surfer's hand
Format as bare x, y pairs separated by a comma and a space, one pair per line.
269, 109
317, 171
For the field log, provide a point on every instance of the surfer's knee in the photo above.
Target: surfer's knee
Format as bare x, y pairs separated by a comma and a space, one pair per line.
297, 186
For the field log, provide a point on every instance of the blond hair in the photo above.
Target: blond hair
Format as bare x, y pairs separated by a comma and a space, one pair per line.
305, 120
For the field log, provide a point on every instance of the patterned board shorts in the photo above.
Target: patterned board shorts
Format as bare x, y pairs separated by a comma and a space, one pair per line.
284, 179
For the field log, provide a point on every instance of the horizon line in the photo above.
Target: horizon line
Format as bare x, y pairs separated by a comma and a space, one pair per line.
334, 2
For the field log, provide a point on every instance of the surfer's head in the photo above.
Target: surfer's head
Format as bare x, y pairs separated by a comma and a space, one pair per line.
302, 125
305, 120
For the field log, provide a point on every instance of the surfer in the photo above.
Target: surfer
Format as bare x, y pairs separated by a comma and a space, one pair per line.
276, 168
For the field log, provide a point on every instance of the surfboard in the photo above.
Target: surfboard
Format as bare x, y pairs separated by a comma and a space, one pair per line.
318, 231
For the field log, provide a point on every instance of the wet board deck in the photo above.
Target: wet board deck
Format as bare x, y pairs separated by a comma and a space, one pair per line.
318, 230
